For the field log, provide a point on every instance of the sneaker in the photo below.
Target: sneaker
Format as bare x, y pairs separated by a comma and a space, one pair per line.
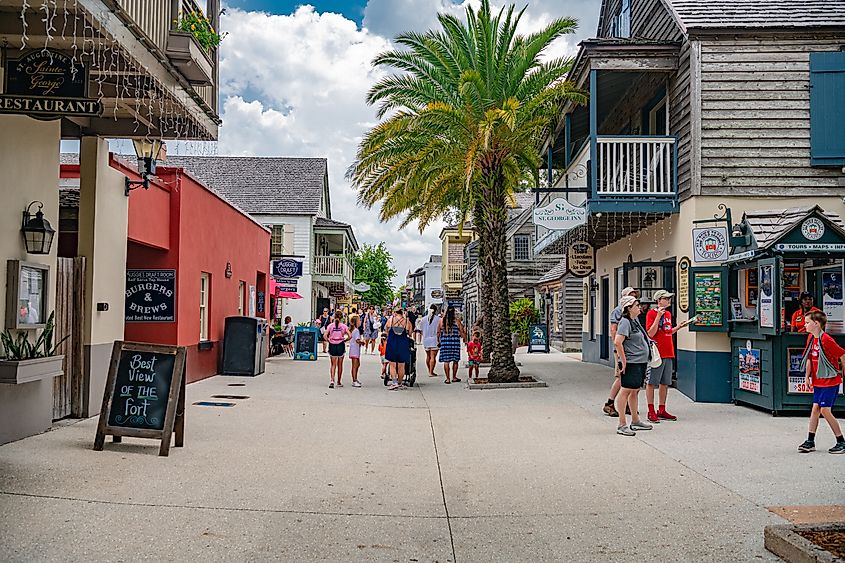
625, 431
393, 386
807, 446
641, 426
666, 416
839, 448
339, 384
331, 385
652, 417
356, 384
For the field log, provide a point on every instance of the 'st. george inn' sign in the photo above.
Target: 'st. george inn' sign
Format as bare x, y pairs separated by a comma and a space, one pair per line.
47, 83
559, 215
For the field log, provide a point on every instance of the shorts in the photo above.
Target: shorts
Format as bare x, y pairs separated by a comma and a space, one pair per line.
432, 348
662, 375
825, 396
472, 363
337, 350
634, 376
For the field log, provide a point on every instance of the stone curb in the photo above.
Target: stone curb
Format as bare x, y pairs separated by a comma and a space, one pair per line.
784, 542
525, 385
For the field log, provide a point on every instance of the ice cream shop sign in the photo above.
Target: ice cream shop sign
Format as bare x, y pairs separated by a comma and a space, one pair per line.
47, 83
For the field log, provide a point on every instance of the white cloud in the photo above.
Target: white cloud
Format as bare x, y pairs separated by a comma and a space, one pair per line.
295, 85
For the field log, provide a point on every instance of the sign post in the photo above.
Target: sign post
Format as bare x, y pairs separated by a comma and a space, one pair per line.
144, 395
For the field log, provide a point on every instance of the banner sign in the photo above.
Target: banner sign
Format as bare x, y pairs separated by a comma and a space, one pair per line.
150, 296
710, 244
832, 303
560, 215
749, 370
767, 297
287, 268
47, 83
581, 259
286, 284
811, 247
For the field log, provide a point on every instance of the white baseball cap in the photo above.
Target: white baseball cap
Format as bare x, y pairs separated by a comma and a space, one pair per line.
627, 301
661, 293
627, 291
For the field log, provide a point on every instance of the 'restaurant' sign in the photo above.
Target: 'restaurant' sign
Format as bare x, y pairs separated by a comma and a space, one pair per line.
581, 259
560, 215
47, 83
150, 296
287, 267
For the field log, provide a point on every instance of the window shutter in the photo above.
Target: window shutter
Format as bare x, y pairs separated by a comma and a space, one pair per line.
827, 114
288, 240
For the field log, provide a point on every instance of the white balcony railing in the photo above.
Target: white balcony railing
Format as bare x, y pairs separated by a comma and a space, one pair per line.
635, 166
455, 273
337, 266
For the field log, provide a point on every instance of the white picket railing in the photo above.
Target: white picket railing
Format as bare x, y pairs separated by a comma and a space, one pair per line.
635, 166
332, 266
455, 272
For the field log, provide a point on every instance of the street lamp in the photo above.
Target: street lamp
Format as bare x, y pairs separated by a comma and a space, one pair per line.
148, 152
37, 232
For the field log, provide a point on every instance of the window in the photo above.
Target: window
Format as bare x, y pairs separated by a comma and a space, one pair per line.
521, 247
281, 240
205, 287
241, 297
827, 120
620, 26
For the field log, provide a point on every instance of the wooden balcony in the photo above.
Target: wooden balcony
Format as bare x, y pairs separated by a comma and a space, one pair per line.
635, 168
455, 273
335, 272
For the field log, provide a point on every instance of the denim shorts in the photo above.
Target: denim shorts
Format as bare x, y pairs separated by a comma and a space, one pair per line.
471, 363
825, 396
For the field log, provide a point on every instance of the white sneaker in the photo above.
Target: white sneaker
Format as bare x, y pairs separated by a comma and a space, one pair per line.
392, 387
356, 384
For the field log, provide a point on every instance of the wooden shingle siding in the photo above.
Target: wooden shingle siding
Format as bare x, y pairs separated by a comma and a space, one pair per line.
651, 20
755, 117
680, 123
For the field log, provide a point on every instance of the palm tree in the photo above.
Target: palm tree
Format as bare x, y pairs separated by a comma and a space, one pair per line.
461, 125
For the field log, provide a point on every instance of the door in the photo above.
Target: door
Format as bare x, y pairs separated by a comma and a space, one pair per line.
605, 318
70, 287
322, 303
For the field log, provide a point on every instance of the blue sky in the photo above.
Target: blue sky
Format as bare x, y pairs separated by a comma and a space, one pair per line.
352, 9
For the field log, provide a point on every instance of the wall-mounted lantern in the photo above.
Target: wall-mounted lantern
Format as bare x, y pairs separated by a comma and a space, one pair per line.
148, 152
37, 232
228, 272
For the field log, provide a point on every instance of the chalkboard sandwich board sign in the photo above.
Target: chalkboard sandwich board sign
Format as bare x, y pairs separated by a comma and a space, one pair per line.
305, 343
144, 395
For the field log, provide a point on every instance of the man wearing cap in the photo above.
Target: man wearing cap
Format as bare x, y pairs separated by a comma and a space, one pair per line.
658, 324
805, 309
615, 316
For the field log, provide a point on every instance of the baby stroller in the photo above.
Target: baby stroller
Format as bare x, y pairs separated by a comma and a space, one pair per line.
410, 368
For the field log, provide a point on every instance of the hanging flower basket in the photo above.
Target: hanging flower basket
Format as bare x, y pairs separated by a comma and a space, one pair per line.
189, 57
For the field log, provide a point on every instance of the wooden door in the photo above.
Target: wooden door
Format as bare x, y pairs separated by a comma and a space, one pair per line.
70, 288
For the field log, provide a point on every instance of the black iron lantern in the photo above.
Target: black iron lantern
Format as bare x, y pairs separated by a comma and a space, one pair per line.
37, 232
148, 152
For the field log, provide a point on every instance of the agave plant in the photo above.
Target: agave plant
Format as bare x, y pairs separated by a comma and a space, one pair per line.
17, 348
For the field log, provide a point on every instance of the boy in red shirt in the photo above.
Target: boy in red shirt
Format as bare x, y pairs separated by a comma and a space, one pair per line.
658, 324
474, 353
823, 362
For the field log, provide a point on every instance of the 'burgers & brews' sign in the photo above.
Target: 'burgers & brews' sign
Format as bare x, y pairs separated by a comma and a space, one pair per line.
47, 83
150, 296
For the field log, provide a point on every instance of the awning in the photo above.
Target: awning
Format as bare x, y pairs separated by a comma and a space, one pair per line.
288, 295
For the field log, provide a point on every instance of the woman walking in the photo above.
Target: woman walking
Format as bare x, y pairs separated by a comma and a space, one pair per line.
336, 334
398, 349
632, 350
370, 332
322, 323
450, 332
428, 326
355, 342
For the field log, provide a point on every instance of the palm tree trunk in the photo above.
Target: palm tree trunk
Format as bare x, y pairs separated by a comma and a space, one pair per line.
484, 296
503, 367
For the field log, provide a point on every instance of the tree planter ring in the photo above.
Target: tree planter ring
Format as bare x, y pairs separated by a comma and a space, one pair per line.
25, 371
189, 57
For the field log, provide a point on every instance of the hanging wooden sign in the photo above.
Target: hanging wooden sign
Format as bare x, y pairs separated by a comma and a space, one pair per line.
581, 259
683, 284
144, 395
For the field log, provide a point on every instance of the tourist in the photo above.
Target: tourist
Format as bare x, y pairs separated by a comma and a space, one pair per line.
382, 348
355, 342
429, 325
336, 334
322, 323
615, 315
450, 332
413, 317
398, 349
658, 324
288, 335
474, 352
370, 329
797, 324
822, 363
632, 351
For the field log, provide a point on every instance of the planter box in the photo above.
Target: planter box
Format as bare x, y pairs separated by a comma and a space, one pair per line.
191, 59
25, 371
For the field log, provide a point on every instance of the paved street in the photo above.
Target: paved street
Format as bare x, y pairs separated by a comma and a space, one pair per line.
437, 473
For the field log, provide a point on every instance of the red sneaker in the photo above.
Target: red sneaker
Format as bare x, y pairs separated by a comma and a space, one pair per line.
665, 415
652, 417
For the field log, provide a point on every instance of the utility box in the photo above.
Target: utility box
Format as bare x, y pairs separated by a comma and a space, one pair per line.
244, 346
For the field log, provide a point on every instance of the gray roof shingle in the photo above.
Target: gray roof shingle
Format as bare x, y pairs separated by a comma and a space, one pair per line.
261, 185
557, 272
770, 225
744, 14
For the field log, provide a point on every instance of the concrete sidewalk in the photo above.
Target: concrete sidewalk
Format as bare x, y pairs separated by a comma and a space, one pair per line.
435, 473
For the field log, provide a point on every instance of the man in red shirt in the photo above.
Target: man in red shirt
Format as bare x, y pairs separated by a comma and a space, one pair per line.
658, 324
797, 323
823, 361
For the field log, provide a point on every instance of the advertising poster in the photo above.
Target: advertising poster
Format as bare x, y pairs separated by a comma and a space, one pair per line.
767, 297
794, 376
708, 298
832, 295
150, 296
749, 370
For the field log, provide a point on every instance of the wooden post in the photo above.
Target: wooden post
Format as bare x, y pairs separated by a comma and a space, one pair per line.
100, 439
180, 414
175, 394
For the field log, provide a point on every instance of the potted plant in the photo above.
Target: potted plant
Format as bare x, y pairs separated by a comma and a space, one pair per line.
200, 27
189, 46
26, 361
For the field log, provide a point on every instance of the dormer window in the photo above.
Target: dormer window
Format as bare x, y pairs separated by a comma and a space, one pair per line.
620, 26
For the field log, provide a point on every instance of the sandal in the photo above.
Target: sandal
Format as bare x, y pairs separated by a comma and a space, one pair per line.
456, 379
448, 382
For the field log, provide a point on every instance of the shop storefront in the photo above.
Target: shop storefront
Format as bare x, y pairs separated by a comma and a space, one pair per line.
754, 296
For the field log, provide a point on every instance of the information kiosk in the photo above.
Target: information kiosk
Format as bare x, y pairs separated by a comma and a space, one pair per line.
754, 296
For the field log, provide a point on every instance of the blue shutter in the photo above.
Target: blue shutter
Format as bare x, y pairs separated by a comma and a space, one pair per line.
827, 109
